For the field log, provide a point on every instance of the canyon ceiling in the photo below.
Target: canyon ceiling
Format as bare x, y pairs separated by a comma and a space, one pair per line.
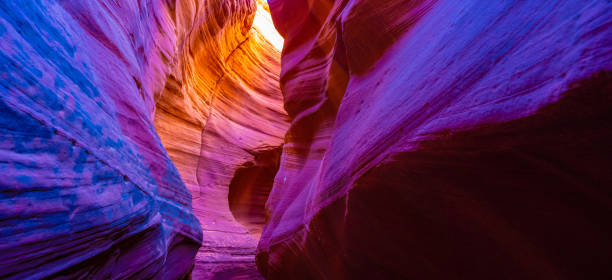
396, 139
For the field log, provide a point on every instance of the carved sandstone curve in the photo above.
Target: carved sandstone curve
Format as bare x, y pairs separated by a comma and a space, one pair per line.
442, 139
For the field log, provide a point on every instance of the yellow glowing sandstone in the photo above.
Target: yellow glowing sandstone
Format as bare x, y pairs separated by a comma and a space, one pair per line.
263, 24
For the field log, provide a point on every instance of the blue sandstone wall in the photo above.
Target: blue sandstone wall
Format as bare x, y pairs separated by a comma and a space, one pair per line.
86, 188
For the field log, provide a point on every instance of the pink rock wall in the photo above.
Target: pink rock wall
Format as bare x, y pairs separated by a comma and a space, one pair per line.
222, 110
443, 139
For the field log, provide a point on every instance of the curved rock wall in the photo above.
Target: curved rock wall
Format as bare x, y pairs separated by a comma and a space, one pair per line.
88, 190
221, 108
443, 139
420, 139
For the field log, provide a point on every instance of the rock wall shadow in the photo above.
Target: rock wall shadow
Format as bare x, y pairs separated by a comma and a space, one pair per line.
525, 199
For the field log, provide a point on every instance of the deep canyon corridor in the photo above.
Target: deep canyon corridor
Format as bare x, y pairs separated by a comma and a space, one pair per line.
305, 139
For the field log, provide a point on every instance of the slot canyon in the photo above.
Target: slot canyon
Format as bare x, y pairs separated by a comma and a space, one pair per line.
305, 139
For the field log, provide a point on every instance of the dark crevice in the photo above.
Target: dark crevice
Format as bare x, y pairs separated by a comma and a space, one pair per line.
250, 187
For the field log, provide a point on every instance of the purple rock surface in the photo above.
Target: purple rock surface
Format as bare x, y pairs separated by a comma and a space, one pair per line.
386, 139
86, 189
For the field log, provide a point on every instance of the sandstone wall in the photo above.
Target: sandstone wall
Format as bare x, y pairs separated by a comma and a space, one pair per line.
90, 91
222, 111
412, 139
443, 139
88, 191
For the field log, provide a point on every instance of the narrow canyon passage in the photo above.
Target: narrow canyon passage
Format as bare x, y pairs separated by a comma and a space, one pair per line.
203, 76
305, 139
229, 156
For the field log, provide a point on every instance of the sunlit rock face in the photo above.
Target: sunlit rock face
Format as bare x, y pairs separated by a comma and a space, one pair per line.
87, 189
412, 139
221, 111
443, 140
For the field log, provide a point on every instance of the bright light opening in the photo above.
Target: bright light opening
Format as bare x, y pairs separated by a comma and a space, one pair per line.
263, 24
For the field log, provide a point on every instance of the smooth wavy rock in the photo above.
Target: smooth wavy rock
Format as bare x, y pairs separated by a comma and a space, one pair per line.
221, 110
443, 140
87, 190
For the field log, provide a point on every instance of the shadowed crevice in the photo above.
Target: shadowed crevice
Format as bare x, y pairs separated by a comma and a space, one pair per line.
250, 187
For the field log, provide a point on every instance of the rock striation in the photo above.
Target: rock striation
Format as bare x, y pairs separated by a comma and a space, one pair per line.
220, 111
426, 139
443, 139
87, 190
90, 91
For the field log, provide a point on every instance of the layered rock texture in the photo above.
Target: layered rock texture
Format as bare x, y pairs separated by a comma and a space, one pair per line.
443, 140
90, 91
168, 139
220, 112
87, 190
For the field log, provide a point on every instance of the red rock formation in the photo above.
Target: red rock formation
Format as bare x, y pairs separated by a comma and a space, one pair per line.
87, 189
220, 109
443, 139
412, 139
